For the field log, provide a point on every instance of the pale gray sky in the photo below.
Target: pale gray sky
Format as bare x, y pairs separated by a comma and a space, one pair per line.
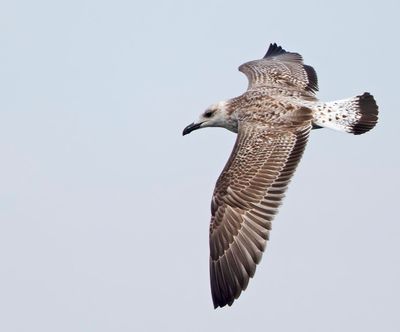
104, 206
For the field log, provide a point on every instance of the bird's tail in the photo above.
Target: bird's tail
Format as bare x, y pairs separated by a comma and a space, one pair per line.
355, 115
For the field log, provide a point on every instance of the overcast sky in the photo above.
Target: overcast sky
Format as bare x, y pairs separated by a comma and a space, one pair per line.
104, 206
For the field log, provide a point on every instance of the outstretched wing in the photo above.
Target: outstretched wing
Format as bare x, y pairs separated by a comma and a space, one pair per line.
246, 198
280, 69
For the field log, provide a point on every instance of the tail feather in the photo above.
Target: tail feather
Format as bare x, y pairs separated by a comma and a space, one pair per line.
369, 114
355, 115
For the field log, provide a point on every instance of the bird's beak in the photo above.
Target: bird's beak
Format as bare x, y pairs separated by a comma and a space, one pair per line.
193, 126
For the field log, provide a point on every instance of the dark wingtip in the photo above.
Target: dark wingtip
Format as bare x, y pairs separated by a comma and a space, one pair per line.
369, 114
218, 303
221, 304
274, 50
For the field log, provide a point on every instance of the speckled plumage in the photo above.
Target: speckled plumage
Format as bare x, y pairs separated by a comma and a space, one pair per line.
273, 119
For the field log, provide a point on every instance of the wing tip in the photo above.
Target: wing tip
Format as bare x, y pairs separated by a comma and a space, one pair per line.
223, 302
274, 50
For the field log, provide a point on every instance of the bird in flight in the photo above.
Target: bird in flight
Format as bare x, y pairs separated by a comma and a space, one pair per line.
272, 119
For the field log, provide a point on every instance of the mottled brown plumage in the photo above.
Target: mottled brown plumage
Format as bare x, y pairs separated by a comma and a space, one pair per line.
282, 70
246, 198
273, 119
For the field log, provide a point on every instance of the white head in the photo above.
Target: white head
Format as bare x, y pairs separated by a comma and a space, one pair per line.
214, 116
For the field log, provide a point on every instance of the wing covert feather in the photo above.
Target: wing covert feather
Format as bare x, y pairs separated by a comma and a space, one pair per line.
281, 69
246, 198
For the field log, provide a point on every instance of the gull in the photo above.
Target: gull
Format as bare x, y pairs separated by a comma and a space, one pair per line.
272, 119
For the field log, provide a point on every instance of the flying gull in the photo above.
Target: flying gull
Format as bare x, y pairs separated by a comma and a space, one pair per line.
273, 119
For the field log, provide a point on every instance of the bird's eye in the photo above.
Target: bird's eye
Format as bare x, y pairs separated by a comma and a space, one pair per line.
208, 114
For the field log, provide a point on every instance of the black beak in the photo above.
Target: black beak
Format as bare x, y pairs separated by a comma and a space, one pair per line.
191, 127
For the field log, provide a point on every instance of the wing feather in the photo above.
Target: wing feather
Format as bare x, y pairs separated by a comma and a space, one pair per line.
245, 200
281, 69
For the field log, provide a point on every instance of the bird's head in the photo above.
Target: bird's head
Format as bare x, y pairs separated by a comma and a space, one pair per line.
214, 116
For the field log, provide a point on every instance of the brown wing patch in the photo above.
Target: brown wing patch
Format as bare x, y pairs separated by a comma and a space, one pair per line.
246, 198
280, 69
